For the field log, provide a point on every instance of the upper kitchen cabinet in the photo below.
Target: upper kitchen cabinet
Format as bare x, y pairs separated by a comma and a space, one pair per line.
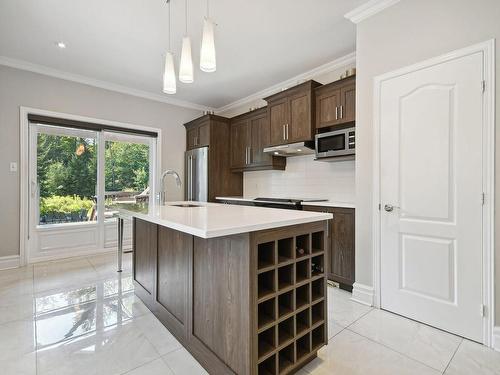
240, 141
291, 114
250, 133
215, 132
198, 131
336, 103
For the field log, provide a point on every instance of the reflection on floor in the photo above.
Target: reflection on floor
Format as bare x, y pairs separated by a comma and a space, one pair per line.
79, 316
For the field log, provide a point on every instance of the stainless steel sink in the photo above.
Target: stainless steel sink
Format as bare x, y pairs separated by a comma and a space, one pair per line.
185, 205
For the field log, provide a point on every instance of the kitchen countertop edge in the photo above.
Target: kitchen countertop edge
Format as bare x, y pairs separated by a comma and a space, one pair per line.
220, 232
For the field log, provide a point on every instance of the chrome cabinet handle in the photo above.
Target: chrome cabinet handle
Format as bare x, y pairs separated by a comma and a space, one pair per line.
249, 155
246, 155
284, 132
287, 131
336, 113
341, 111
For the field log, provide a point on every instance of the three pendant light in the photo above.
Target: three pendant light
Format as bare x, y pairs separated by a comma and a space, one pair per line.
207, 54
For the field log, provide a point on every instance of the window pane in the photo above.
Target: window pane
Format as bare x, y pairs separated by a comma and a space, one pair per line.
127, 174
67, 178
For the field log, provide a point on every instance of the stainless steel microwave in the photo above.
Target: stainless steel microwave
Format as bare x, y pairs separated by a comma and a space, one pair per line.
336, 143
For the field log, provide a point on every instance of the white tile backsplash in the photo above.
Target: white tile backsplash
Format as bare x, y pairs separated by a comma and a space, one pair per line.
304, 177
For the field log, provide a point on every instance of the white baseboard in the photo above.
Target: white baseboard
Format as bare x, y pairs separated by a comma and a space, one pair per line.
11, 261
496, 338
362, 294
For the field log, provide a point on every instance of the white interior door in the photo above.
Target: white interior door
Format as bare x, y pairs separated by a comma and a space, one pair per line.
431, 195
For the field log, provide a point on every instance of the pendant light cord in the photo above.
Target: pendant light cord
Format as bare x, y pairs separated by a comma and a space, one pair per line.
186, 17
169, 27
208, 8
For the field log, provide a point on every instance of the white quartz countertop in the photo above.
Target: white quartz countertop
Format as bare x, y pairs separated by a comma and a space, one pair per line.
208, 220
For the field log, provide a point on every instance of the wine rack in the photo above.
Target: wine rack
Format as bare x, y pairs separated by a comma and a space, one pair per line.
291, 301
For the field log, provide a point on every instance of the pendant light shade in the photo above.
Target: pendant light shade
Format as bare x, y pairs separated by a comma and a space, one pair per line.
207, 55
169, 80
186, 65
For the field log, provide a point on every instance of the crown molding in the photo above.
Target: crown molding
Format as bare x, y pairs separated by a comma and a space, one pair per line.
369, 9
326, 68
45, 70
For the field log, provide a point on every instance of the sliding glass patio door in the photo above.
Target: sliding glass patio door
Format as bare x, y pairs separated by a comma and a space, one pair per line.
127, 179
77, 177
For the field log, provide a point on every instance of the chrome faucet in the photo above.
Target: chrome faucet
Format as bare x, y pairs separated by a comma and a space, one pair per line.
163, 192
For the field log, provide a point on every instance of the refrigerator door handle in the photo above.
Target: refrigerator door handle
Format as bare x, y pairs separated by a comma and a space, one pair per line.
192, 179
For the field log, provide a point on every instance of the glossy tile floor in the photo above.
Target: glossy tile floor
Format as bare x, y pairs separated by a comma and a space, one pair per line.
81, 317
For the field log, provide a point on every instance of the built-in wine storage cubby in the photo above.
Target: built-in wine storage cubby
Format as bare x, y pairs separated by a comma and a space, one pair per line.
266, 255
291, 299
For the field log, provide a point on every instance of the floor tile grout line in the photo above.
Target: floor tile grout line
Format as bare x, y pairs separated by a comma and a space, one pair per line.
144, 364
153, 345
91, 264
88, 281
453, 356
373, 309
394, 350
165, 362
360, 317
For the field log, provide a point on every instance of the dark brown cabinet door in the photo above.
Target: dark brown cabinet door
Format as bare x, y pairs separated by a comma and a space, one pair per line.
278, 119
341, 250
203, 135
342, 242
145, 241
172, 294
192, 136
260, 139
348, 103
299, 124
240, 143
327, 108
336, 103
250, 134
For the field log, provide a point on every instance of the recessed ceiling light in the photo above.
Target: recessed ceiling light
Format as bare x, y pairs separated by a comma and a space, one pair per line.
299, 150
61, 45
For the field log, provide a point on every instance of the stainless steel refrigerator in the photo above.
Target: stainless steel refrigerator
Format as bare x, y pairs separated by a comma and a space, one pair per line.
197, 174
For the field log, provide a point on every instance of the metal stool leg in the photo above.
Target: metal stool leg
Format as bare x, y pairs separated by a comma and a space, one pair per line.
120, 243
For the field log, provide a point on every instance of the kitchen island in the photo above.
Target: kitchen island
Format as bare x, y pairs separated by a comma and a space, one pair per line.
242, 288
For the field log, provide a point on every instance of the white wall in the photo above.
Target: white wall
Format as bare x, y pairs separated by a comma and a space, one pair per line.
404, 34
21, 88
303, 176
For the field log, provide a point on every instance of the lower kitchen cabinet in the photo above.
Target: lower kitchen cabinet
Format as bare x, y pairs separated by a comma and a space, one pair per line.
341, 251
145, 244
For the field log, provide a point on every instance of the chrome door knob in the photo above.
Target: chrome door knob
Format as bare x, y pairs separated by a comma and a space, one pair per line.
389, 207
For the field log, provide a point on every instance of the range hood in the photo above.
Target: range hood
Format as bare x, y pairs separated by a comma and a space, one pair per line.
292, 149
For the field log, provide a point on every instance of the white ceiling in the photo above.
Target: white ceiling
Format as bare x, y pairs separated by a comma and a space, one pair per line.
259, 43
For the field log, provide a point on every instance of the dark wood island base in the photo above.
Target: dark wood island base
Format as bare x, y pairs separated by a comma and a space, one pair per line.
251, 303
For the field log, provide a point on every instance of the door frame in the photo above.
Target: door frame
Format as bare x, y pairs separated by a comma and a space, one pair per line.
24, 168
488, 235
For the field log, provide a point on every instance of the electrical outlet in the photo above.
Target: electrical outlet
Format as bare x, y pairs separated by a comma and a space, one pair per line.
13, 166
